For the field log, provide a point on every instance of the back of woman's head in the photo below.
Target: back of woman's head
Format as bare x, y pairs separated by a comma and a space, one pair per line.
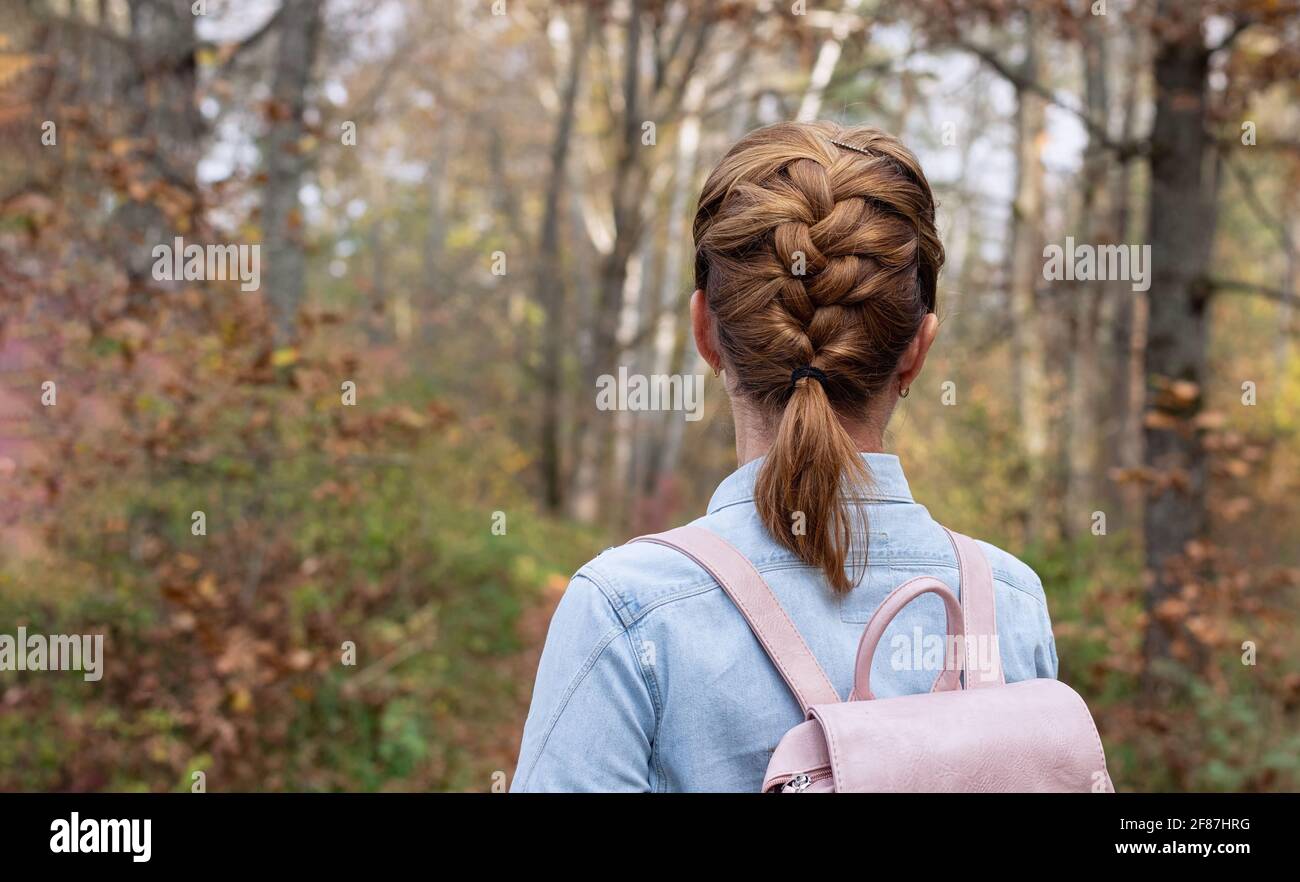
815, 255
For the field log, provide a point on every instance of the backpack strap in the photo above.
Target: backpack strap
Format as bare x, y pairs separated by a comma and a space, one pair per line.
979, 611
779, 637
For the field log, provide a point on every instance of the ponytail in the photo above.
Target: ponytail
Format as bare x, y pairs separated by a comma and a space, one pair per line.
808, 481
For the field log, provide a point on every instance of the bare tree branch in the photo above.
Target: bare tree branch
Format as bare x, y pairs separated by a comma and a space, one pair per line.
1238, 286
250, 42
1276, 225
1124, 150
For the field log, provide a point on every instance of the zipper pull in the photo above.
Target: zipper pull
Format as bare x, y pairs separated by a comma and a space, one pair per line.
797, 784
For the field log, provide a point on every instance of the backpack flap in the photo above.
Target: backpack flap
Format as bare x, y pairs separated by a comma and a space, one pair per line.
1031, 736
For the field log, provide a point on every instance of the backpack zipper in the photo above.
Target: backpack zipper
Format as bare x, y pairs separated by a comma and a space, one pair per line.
801, 782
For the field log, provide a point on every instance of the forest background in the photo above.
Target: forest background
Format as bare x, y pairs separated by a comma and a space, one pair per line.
467, 211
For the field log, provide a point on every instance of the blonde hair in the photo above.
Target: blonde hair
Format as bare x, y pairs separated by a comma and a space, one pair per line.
815, 254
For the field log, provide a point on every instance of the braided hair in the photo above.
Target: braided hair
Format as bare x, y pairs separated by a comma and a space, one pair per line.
816, 248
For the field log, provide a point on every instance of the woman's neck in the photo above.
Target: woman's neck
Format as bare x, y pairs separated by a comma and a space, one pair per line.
754, 435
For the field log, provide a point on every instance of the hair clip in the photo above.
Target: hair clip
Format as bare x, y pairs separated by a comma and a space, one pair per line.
864, 151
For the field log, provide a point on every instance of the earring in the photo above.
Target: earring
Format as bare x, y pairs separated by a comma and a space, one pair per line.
717, 372
902, 393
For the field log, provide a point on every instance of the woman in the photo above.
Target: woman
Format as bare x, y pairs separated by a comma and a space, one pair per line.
816, 266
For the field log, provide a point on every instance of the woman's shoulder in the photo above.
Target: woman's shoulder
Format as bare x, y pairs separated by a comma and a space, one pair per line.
1012, 571
638, 576
909, 536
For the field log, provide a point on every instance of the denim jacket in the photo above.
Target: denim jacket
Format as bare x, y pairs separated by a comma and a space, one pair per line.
650, 679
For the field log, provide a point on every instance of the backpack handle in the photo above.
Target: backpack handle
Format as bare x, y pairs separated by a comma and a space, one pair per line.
975, 617
950, 677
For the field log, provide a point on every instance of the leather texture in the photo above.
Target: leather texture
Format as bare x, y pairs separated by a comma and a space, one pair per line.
971, 733
1031, 736
978, 609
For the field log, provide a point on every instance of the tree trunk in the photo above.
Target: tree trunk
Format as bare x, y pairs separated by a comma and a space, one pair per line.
1181, 228
299, 27
163, 33
433, 258
1091, 300
157, 103
628, 191
1025, 267
828, 56
1129, 340
548, 281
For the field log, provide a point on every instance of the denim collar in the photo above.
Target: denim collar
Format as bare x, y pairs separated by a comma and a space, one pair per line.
890, 485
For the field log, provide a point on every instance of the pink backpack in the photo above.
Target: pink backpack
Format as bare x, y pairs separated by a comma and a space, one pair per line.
973, 733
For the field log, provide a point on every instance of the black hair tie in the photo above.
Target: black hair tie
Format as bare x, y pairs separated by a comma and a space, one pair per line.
806, 371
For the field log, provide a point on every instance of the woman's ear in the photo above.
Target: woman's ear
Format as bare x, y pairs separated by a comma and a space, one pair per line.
909, 366
706, 336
